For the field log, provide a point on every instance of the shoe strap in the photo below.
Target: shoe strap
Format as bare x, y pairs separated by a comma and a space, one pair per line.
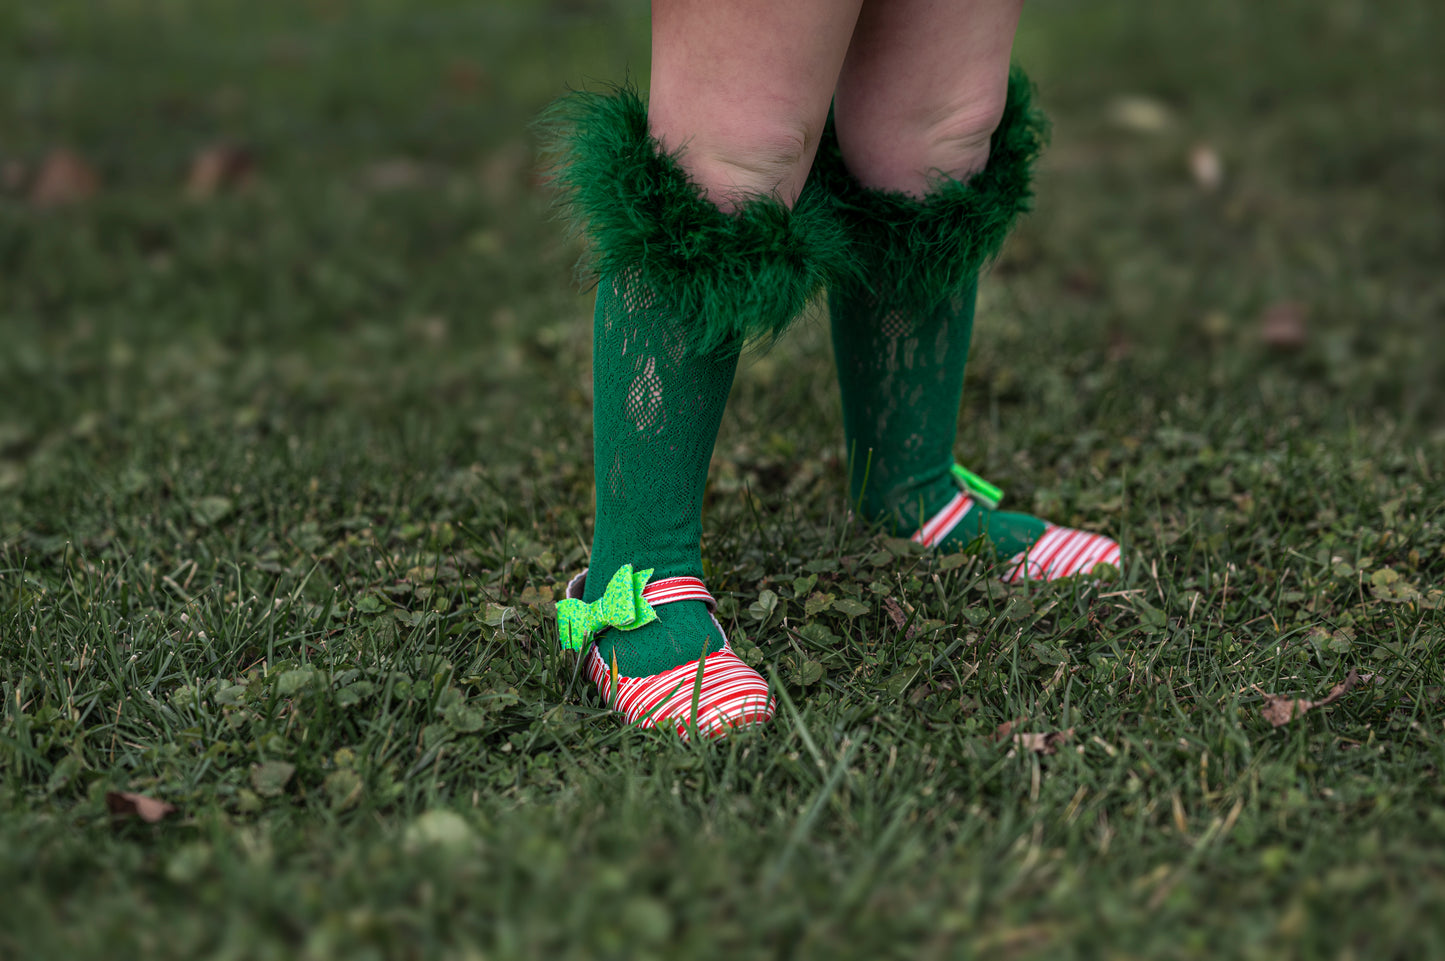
972, 489
937, 527
670, 590
985, 493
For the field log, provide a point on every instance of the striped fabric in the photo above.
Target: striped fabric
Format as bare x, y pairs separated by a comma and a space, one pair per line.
731, 695
671, 589
939, 525
1062, 552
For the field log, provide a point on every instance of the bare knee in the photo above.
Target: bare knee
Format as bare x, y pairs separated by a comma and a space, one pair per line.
908, 152
735, 162
730, 173
957, 145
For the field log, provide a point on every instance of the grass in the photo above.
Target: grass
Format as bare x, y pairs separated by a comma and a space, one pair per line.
290, 477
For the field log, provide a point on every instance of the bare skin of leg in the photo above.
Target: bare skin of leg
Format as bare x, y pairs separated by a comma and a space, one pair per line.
922, 89
743, 87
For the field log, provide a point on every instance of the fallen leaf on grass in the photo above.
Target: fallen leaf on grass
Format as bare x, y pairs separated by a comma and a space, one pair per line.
219, 167
124, 804
64, 178
1139, 114
1279, 711
897, 615
1282, 326
1046, 742
1207, 168
466, 77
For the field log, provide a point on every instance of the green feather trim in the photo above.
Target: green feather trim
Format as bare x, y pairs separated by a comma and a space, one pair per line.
735, 276
914, 255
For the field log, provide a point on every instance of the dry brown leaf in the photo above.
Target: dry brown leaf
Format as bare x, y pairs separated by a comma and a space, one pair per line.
1046, 742
1282, 326
1140, 114
219, 167
64, 178
468, 78
899, 616
124, 804
1279, 711
1004, 730
1207, 168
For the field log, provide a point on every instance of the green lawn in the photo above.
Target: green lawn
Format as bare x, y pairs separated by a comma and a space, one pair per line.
290, 475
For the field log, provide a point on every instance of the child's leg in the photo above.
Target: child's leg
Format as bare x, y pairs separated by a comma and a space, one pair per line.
922, 89
742, 88
937, 142
701, 238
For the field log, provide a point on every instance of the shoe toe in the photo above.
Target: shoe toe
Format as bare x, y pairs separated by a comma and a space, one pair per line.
1063, 552
730, 695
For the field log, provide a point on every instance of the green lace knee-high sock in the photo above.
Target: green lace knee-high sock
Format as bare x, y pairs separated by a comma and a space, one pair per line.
683, 286
902, 319
656, 409
900, 374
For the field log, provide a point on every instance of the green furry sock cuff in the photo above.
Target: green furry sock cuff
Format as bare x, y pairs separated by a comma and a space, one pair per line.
729, 276
914, 255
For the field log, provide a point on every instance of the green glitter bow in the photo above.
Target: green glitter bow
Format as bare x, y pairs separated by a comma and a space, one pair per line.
985, 493
620, 606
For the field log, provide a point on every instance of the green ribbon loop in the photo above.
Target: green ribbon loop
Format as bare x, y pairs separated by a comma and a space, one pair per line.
983, 492
620, 606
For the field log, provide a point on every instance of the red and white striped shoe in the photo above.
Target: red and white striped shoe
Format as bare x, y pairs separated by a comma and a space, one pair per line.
1059, 551
1062, 552
731, 693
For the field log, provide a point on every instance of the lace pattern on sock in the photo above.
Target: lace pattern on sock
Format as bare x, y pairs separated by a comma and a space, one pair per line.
657, 405
904, 377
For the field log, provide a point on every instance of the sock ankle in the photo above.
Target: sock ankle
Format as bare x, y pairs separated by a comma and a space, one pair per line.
942, 516
901, 375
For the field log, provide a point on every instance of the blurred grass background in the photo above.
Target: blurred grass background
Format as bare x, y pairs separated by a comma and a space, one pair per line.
295, 452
